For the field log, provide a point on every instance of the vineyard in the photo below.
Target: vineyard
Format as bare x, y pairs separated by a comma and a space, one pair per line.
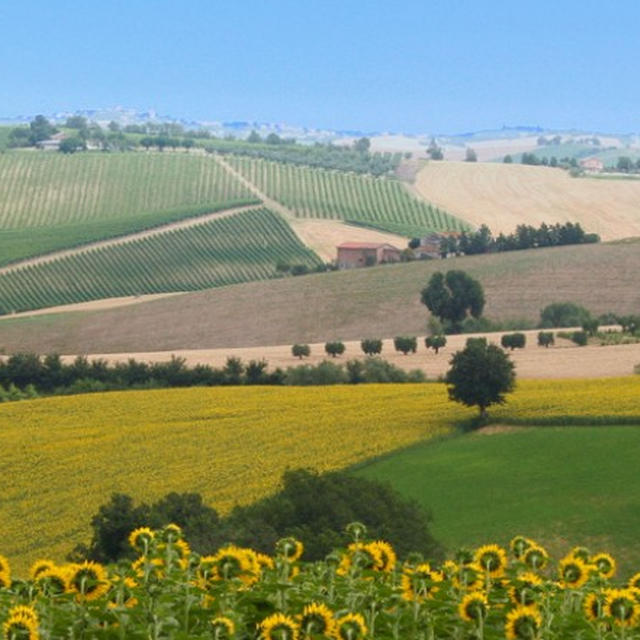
319, 193
51, 201
238, 248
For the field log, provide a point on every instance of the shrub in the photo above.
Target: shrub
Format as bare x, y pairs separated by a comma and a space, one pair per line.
435, 342
313, 508
371, 346
546, 339
590, 326
629, 323
513, 341
405, 344
334, 349
379, 370
580, 338
563, 314
323, 373
301, 351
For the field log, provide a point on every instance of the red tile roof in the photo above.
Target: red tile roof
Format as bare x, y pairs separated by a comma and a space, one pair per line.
363, 245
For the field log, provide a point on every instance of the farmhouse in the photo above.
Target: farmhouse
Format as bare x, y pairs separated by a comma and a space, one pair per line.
592, 164
429, 246
365, 254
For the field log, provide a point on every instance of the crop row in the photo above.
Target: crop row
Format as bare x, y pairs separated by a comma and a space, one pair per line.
320, 193
237, 248
38, 189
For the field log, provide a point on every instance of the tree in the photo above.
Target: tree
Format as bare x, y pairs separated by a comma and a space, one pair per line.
76, 122
450, 297
546, 339
470, 155
414, 243
300, 350
591, 326
480, 375
361, 145
405, 344
580, 338
563, 314
436, 342
434, 151
334, 349
371, 346
254, 137
507, 159
513, 341
41, 129
624, 164
71, 145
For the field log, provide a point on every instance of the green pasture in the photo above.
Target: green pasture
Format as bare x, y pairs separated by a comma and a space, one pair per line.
560, 485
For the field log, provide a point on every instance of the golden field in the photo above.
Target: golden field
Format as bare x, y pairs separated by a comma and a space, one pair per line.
62, 457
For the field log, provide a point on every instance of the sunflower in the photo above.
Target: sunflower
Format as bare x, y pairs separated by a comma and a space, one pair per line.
492, 559
317, 620
522, 623
621, 605
386, 553
265, 561
580, 552
523, 591
519, 545
39, 566
54, 581
278, 627
222, 628
152, 567
573, 572
230, 562
350, 627
5, 580
88, 580
420, 583
141, 538
474, 607
605, 564
21, 626
634, 581
593, 606
469, 576
289, 548
535, 557
365, 556
24, 612
464, 556
171, 533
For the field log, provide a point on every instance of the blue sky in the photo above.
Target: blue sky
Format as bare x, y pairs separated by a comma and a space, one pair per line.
426, 66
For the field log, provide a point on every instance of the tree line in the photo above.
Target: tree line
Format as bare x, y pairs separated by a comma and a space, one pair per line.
524, 237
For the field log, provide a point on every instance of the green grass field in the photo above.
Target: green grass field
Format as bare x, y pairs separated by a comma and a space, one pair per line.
50, 201
320, 193
559, 485
237, 248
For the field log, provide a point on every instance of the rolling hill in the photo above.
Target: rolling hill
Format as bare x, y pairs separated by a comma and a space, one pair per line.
505, 195
379, 301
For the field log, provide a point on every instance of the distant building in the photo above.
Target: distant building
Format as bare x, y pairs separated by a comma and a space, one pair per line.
592, 164
48, 145
366, 254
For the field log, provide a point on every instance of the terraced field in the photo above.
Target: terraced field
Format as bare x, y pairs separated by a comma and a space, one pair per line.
52, 201
318, 193
238, 248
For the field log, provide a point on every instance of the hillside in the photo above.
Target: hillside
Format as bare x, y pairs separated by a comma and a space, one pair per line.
225, 250
50, 201
380, 301
505, 195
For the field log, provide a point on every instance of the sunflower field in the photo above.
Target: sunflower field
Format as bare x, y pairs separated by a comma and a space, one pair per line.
360, 591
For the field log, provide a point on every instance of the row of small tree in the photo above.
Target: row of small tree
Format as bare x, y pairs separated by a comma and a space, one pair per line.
373, 346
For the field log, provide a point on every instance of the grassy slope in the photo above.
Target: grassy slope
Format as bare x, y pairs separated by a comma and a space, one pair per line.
562, 486
237, 248
50, 201
381, 301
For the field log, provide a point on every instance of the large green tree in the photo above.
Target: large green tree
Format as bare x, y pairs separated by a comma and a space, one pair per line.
480, 375
452, 296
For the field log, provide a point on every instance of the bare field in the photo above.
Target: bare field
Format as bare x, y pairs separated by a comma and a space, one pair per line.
564, 360
323, 236
347, 305
503, 196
